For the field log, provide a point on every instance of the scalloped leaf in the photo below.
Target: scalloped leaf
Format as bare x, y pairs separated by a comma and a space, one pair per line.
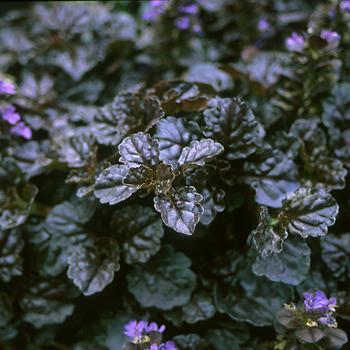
198, 152
232, 123
164, 282
11, 245
290, 266
92, 266
309, 212
173, 135
139, 149
141, 230
181, 209
126, 114
109, 187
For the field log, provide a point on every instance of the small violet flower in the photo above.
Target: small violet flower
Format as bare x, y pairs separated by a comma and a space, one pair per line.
10, 115
345, 6
7, 87
22, 130
190, 9
295, 42
332, 38
328, 320
153, 327
183, 23
169, 345
134, 329
318, 303
154, 10
263, 25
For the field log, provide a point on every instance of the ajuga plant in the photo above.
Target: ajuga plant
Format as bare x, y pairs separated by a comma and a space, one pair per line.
173, 175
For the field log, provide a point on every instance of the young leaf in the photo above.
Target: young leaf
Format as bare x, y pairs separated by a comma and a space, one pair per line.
268, 238
272, 176
165, 282
289, 266
180, 209
11, 245
109, 187
139, 149
198, 152
16, 204
92, 267
172, 136
233, 124
141, 229
308, 212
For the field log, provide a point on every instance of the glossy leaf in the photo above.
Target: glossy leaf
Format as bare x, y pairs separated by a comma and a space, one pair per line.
272, 176
109, 187
11, 261
232, 123
309, 212
92, 267
141, 230
139, 149
289, 266
181, 209
165, 282
198, 152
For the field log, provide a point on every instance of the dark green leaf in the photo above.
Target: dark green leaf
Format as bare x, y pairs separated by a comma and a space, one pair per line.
109, 187
272, 176
222, 339
213, 202
46, 302
189, 342
181, 209
336, 338
309, 212
6, 313
199, 308
310, 335
11, 245
165, 282
289, 266
141, 230
336, 253
92, 266
232, 123
208, 73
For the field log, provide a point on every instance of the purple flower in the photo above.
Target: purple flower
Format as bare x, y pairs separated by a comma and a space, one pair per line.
10, 115
332, 38
190, 9
318, 303
197, 28
7, 87
328, 320
154, 10
263, 25
295, 42
153, 327
22, 130
183, 23
345, 5
169, 345
134, 329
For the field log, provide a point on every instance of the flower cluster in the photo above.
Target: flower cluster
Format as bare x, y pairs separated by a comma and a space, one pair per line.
147, 333
320, 309
10, 116
154, 10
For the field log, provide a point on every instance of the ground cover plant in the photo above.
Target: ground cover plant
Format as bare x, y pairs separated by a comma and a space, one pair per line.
173, 175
